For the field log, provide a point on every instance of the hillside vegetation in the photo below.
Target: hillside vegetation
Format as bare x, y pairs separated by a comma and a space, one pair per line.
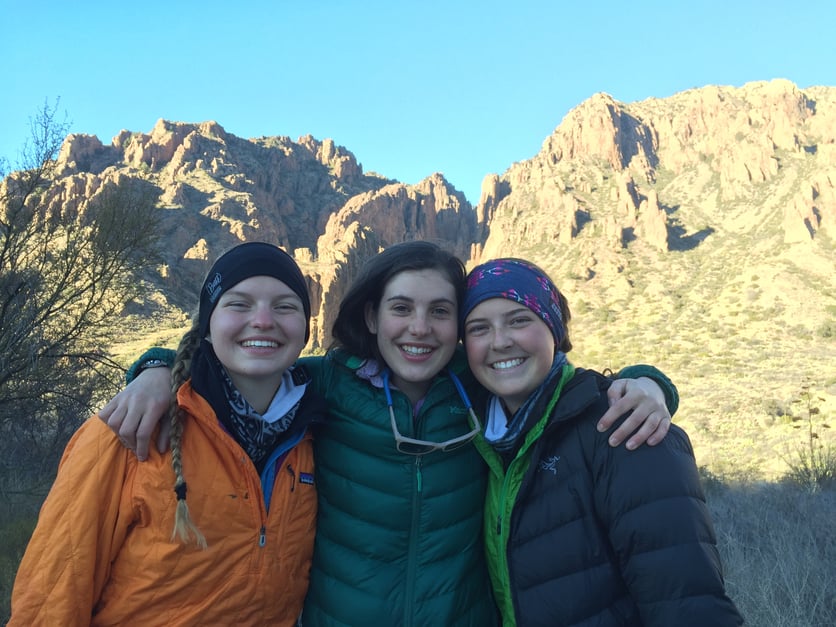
696, 233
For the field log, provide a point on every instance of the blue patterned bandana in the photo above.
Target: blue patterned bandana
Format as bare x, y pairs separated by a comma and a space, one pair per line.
519, 281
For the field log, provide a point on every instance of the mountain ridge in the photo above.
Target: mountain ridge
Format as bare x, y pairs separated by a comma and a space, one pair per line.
695, 232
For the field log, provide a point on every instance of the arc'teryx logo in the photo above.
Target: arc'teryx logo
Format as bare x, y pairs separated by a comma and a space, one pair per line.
550, 464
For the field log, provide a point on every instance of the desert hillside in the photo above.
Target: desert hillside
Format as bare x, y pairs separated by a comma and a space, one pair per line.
694, 232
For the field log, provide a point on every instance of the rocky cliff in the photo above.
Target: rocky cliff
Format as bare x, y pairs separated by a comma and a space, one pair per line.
695, 231
309, 196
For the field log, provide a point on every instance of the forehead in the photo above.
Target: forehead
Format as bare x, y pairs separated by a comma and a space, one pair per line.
420, 285
497, 307
260, 286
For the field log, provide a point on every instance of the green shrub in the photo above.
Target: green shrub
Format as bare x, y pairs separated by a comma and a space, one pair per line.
813, 465
827, 329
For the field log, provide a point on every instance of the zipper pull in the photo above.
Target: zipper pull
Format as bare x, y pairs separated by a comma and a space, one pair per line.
292, 478
499, 525
262, 536
418, 474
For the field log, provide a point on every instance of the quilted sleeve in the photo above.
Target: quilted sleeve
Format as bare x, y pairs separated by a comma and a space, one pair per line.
651, 503
81, 526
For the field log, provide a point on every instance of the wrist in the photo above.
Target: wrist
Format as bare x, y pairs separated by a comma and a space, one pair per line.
654, 374
156, 357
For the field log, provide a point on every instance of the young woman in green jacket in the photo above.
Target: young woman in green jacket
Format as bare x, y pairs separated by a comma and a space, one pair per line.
401, 488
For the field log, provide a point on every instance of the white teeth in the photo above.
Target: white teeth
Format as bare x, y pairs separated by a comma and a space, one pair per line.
415, 350
259, 343
503, 365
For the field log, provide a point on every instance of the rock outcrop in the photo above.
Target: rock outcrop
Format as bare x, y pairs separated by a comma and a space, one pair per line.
639, 168
308, 196
613, 179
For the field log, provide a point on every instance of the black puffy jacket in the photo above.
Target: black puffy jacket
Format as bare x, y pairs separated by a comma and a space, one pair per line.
580, 533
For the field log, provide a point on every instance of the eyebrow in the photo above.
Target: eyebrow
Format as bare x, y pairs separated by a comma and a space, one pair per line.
507, 314
412, 300
521, 308
241, 293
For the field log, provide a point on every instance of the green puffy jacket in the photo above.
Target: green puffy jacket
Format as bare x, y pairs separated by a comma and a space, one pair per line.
399, 537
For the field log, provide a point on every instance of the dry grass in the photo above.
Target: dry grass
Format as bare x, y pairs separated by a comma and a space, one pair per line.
778, 551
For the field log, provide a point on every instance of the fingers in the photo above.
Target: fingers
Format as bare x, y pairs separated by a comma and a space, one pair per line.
112, 414
650, 427
134, 412
117, 416
143, 434
143, 421
105, 412
642, 401
127, 430
637, 426
661, 431
121, 418
164, 437
616, 390
618, 406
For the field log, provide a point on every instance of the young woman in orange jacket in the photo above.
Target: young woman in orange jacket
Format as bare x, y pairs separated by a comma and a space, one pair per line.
220, 529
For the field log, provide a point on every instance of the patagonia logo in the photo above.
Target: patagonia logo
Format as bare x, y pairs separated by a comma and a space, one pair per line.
306, 477
214, 287
549, 464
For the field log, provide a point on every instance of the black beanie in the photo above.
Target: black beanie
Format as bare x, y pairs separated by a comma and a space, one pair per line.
245, 261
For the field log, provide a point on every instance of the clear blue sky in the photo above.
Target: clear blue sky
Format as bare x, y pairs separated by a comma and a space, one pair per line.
410, 87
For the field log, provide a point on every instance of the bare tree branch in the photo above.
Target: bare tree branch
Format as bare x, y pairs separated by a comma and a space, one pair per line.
66, 274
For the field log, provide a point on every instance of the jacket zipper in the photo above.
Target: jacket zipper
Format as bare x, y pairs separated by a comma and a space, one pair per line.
292, 477
417, 499
524, 458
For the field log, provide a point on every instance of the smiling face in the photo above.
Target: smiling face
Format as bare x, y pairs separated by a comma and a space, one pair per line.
415, 324
257, 330
509, 349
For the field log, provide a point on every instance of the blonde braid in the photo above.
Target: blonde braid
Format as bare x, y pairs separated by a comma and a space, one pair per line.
184, 528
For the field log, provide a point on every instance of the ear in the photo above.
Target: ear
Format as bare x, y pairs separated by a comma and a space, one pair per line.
371, 318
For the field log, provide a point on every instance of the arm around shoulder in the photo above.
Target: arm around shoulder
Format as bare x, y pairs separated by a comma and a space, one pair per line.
648, 397
314, 365
152, 358
662, 380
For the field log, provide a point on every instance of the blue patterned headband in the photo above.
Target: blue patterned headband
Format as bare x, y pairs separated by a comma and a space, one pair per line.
519, 281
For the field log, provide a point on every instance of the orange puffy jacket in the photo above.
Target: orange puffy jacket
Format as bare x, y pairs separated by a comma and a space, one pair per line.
102, 552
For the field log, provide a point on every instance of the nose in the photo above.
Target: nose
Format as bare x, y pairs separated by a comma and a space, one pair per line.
262, 317
500, 339
419, 325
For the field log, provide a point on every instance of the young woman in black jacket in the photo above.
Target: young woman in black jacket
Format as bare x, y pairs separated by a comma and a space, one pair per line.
576, 533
